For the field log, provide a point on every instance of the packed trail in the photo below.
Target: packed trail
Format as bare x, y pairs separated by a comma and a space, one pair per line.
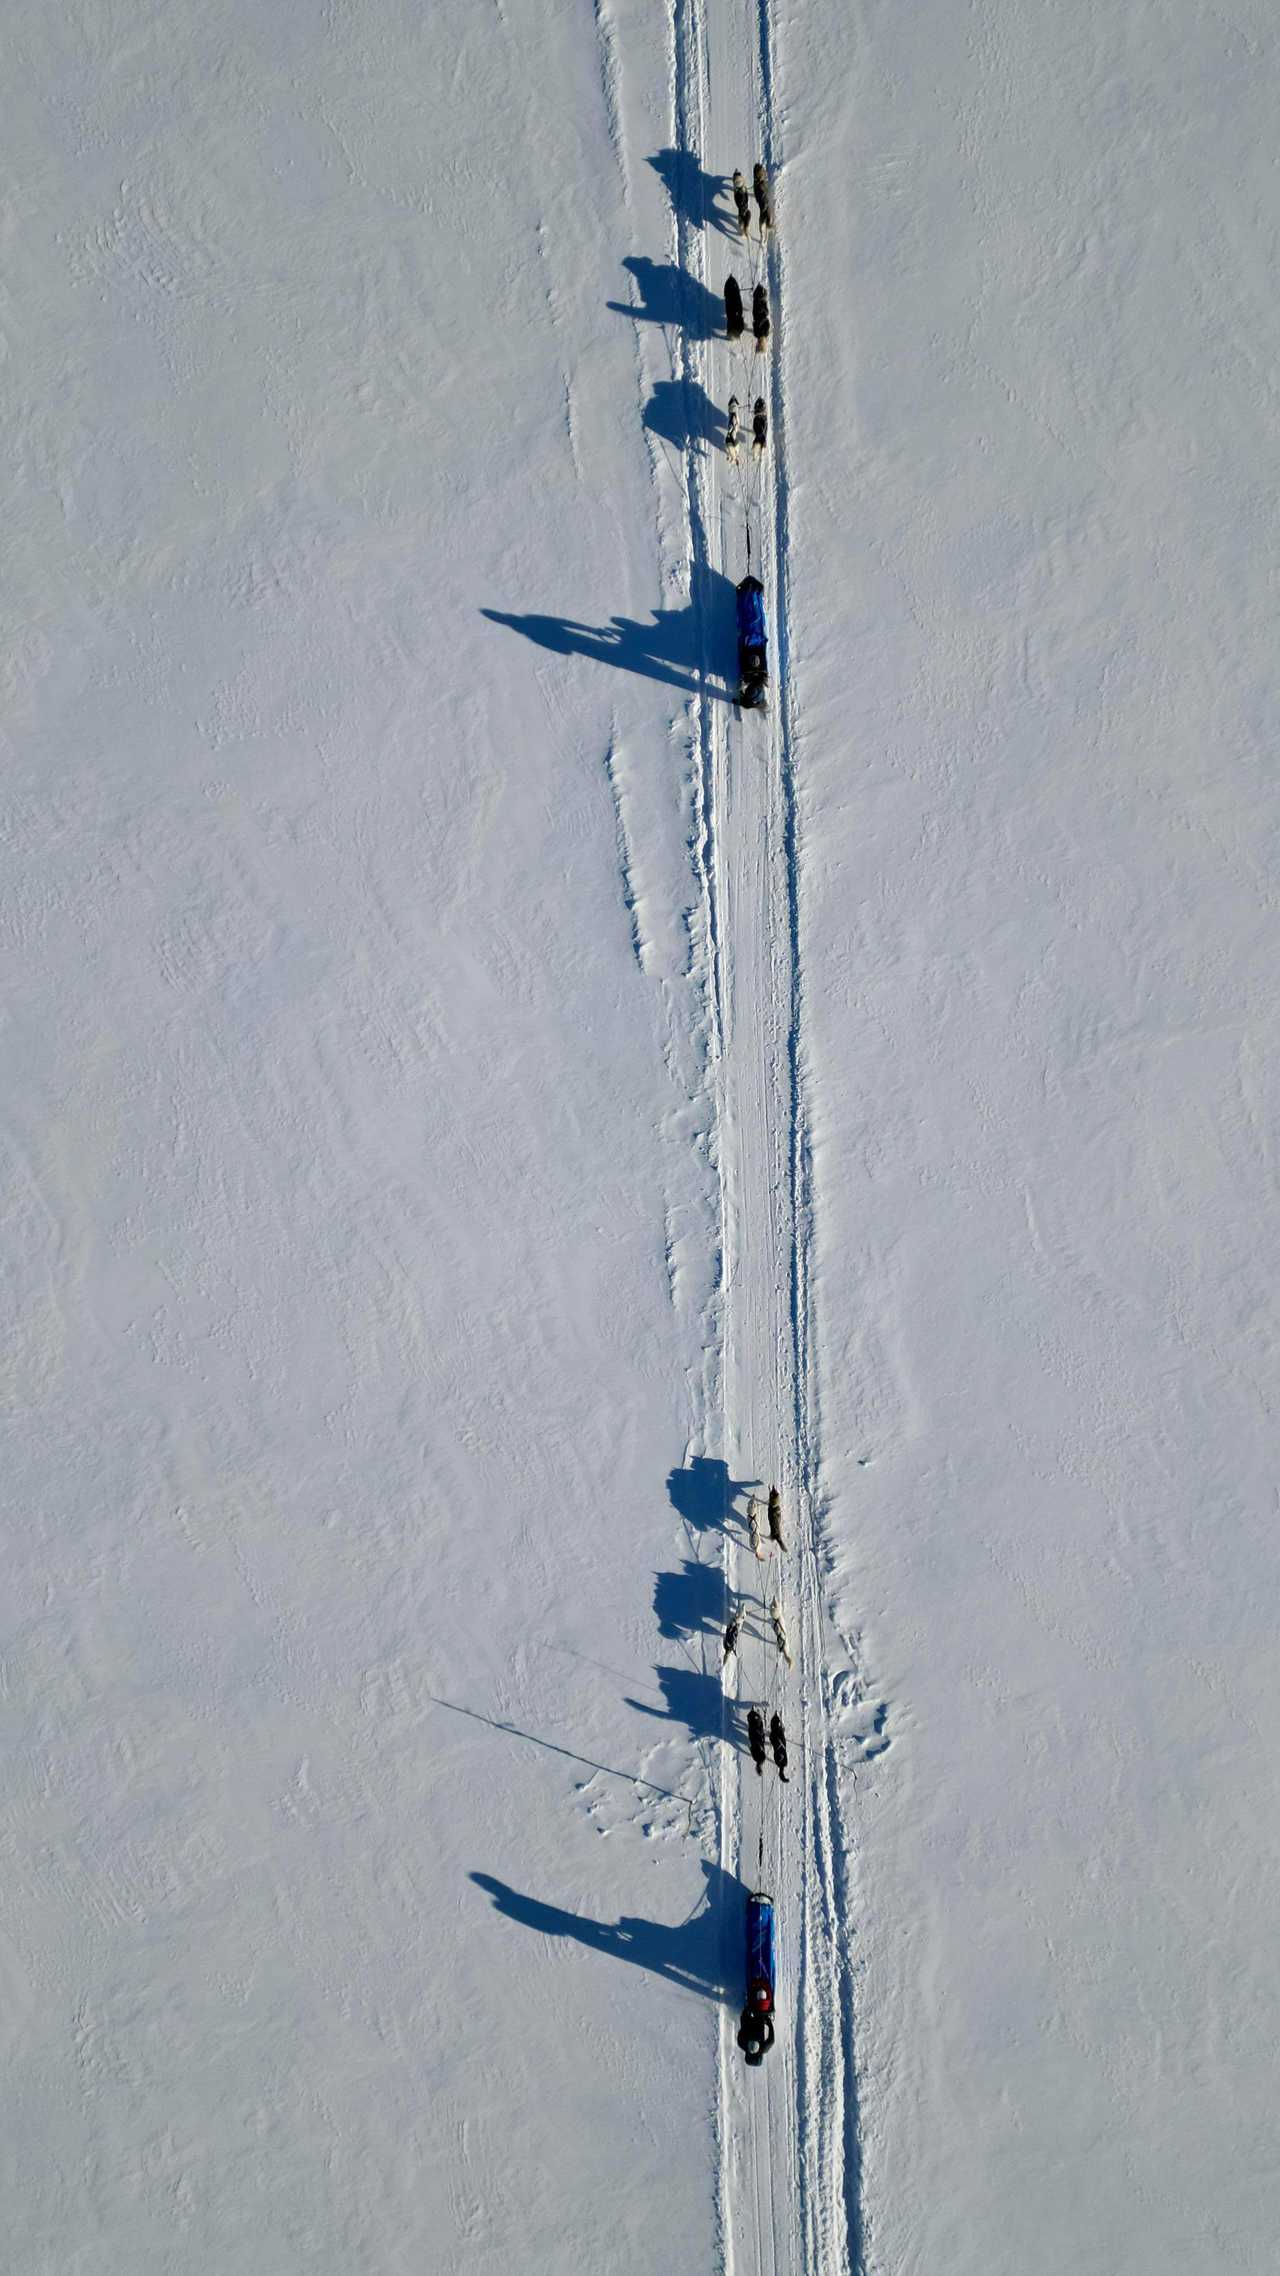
789, 2190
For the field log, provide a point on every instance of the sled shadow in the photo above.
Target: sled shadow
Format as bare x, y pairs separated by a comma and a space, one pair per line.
692, 1955
693, 194
668, 295
668, 650
690, 1602
683, 415
702, 1492
689, 1697
714, 601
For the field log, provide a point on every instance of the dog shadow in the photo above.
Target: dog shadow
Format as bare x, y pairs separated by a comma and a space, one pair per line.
669, 295
689, 1697
693, 194
681, 413
702, 1492
690, 1602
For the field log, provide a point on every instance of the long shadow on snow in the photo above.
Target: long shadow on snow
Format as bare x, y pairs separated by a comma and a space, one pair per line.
693, 194
690, 1697
681, 413
669, 295
690, 1602
668, 650
690, 1955
702, 1491
550, 1746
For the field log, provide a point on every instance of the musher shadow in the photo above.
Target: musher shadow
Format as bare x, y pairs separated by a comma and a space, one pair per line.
669, 650
692, 1955
693, 194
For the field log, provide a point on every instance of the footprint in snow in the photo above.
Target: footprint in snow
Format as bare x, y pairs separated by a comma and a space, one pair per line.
864, 1721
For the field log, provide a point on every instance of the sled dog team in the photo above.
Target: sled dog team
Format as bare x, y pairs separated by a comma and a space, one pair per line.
763, 197
735, 322
733, 1629
735, 325
735, 316
756, 2026
759, 429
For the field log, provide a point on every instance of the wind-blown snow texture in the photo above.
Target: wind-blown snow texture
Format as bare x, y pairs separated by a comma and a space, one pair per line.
1035, 583
397, 938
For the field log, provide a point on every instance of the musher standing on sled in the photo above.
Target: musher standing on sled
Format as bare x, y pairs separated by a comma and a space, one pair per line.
755, 2034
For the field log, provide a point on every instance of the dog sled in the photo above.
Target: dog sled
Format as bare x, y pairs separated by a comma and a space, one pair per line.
755, 2026
753, 654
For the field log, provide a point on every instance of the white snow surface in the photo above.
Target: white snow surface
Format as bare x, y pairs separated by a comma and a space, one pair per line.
469, 1104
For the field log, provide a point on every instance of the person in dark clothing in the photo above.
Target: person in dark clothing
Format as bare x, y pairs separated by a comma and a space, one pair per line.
778, 1741
759, 440
755, 2034
760, 317
733, 318
742, 202
764, 198
755, 1738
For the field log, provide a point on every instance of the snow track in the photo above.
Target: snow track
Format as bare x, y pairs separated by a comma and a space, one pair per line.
788, 2132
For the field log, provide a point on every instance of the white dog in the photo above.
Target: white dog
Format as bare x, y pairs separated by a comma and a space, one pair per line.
780, 1636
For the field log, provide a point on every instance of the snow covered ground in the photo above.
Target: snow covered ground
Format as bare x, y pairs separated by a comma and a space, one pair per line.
1035, 578
356, 1230
467, 1102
